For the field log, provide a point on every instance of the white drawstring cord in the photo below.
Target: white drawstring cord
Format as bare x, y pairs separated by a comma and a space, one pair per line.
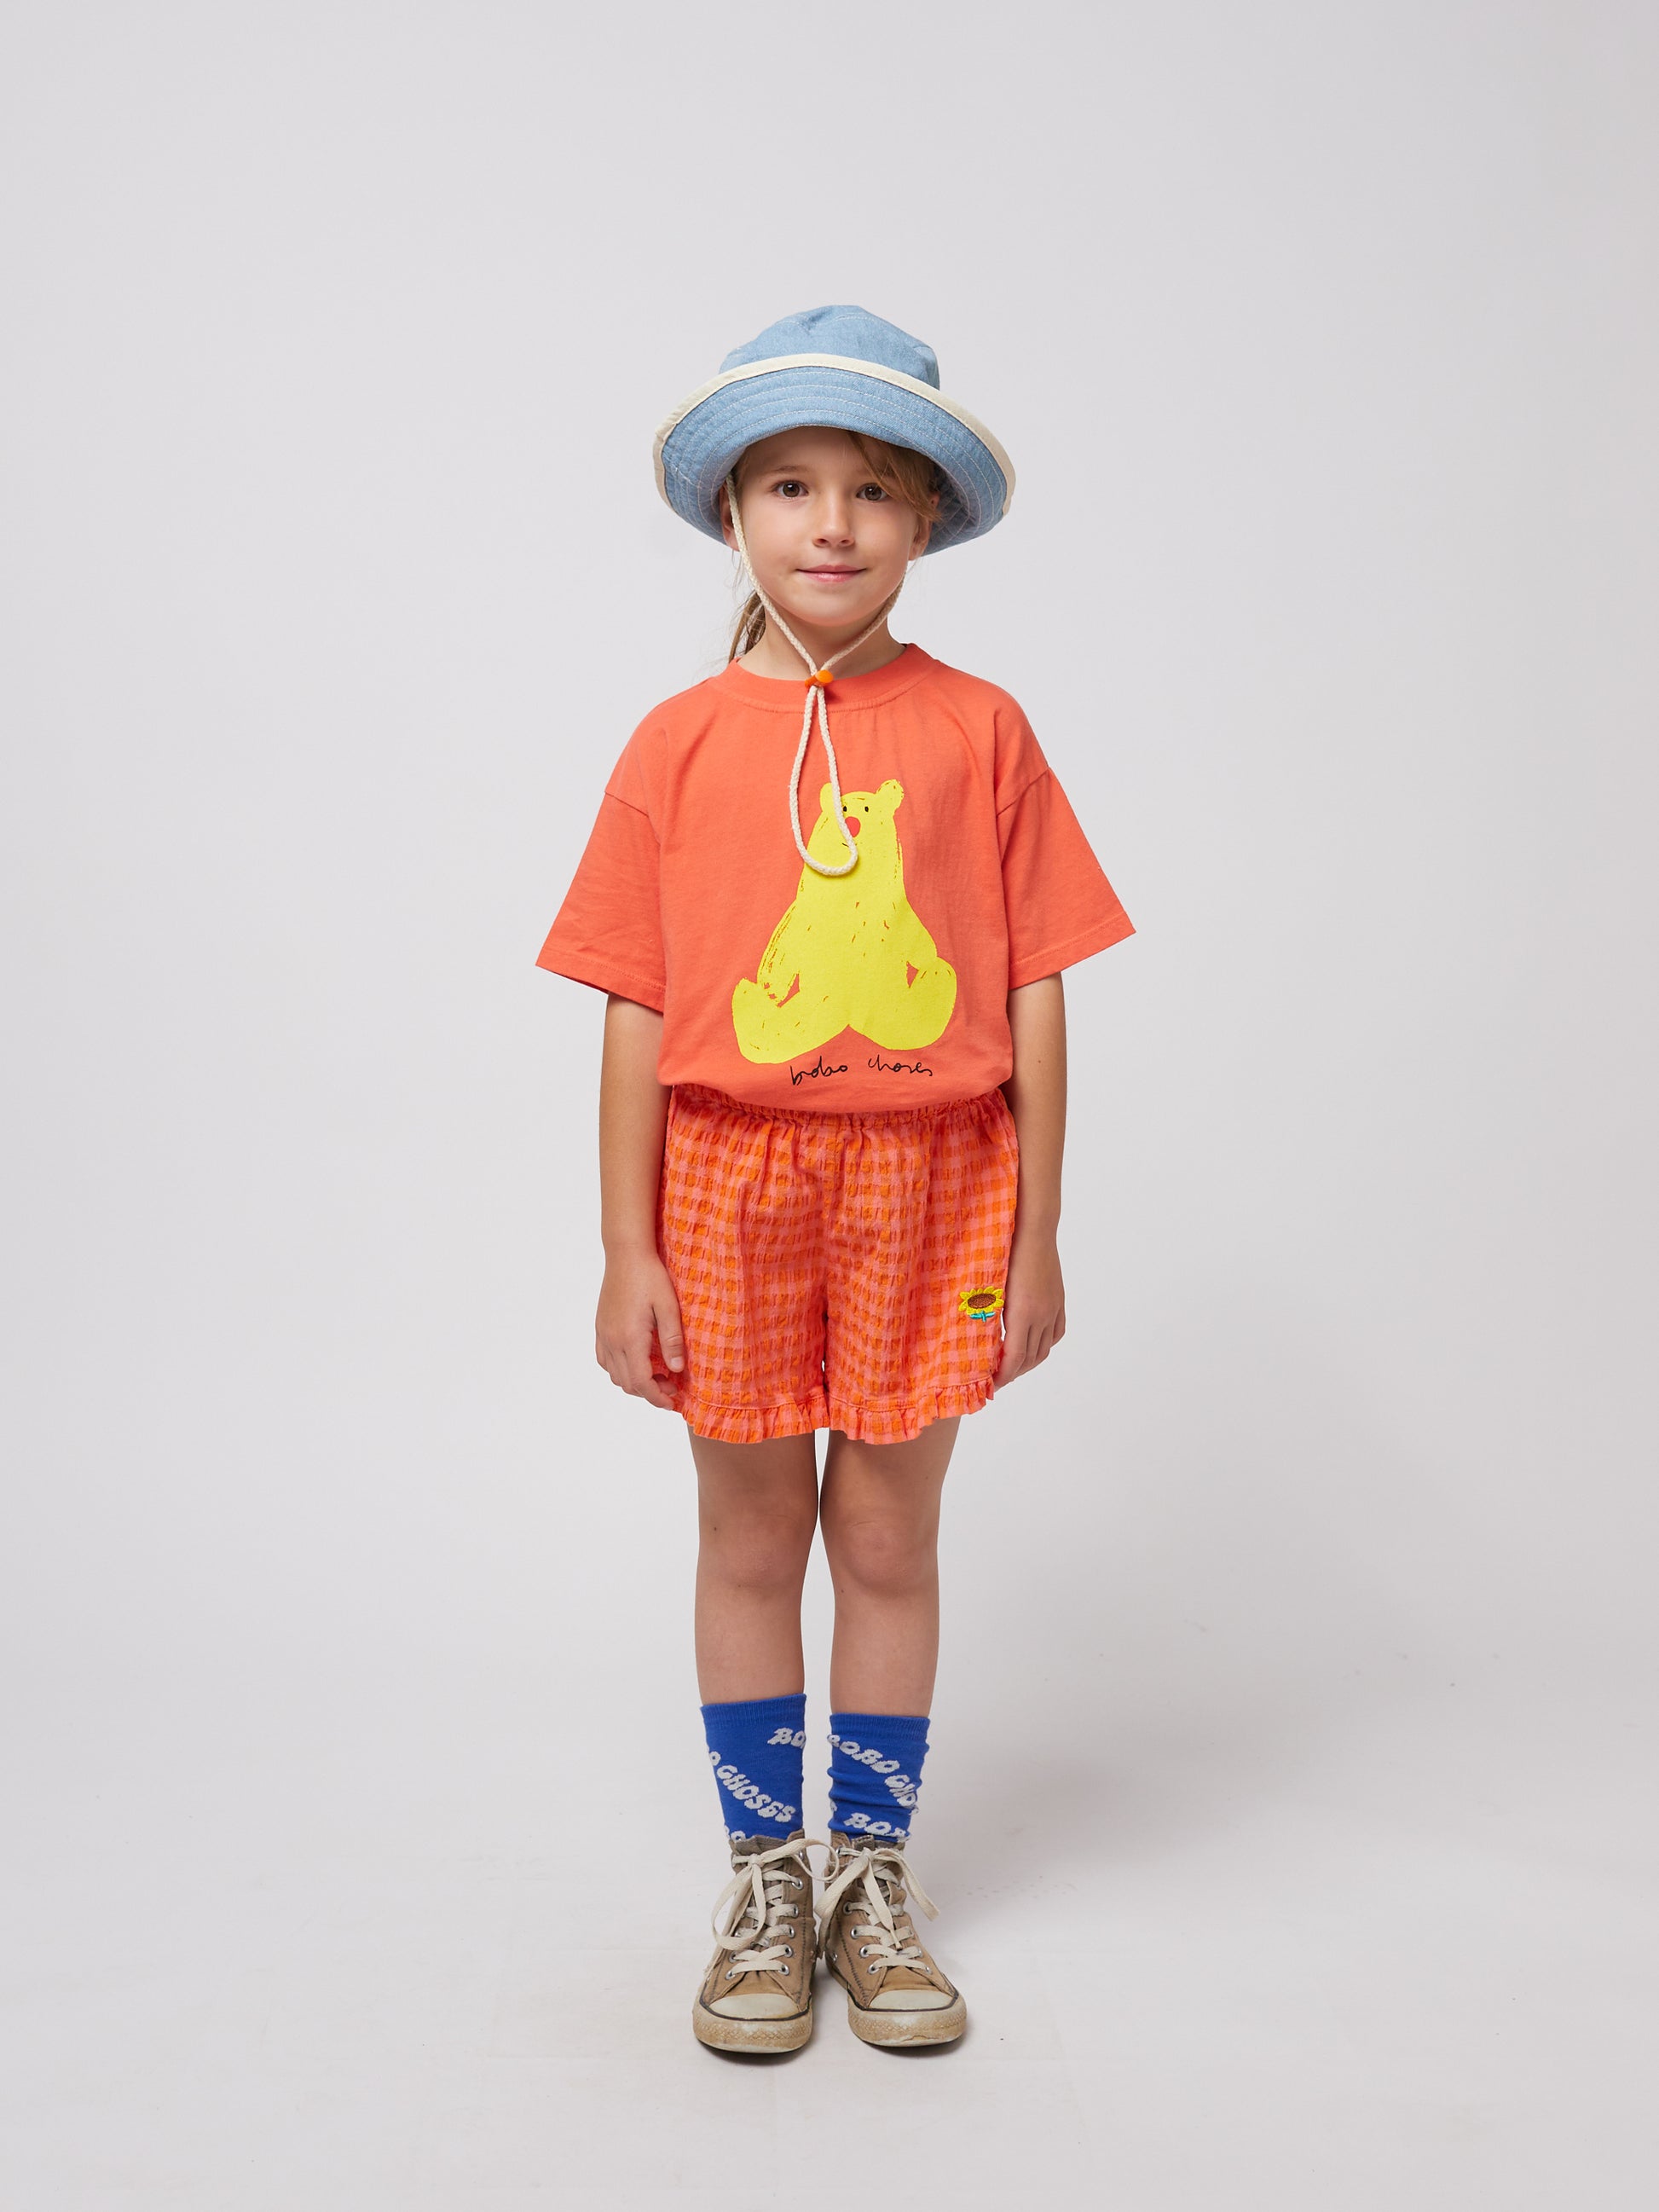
816, 683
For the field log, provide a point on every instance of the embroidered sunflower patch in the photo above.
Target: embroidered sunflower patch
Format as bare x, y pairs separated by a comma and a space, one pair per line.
981, 1304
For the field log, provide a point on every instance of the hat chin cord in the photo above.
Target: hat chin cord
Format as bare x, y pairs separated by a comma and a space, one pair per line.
817, 681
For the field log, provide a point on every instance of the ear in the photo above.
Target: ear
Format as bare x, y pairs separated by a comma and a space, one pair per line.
726, 531
892, 790
826, 798
924, 532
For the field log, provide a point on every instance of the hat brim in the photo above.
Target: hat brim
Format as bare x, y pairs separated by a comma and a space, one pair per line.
700, 440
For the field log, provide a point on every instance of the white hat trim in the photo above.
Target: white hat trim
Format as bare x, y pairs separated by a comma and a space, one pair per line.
882, 374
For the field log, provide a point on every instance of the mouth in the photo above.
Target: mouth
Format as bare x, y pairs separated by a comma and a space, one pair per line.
830, 574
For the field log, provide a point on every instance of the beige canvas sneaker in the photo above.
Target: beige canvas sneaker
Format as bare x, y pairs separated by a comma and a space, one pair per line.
895, 1992
758, 1992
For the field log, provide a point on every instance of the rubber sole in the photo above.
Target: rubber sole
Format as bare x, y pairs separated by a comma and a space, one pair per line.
720, 2034
904, 2030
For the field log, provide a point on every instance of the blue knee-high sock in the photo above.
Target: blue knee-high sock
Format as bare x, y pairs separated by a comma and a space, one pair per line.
875, 1772
755, 1749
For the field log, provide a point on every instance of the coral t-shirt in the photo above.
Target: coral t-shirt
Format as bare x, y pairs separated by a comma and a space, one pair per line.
883, 987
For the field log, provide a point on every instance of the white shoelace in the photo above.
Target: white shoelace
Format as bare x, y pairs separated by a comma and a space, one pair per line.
817, 680
761, 1929
883, 1868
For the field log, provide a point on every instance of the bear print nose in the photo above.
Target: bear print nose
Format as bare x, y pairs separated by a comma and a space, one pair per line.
851, 821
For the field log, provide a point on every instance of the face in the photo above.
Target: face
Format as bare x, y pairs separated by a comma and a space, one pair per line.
828, 542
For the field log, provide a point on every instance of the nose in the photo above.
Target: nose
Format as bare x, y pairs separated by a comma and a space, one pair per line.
835, 520
852, 822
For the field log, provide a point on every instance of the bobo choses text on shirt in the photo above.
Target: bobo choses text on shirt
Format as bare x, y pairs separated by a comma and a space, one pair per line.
885, 987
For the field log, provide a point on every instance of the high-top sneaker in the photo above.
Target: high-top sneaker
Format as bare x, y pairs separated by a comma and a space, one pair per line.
757, 1993
895, 1992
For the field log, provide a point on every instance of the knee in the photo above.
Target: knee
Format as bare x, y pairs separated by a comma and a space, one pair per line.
759, 1551
881, 1556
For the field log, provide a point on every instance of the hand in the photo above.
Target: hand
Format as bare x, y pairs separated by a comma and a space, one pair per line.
636, 1295
1034, 1306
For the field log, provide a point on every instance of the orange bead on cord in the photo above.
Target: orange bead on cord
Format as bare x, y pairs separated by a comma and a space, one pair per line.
821, 677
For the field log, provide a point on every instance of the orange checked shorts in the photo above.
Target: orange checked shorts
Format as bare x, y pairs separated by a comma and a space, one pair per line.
839, 1271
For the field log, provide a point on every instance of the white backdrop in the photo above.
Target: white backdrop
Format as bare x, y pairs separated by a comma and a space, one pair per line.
1293, 1741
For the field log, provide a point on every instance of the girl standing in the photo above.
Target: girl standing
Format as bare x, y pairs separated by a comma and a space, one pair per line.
832, 1108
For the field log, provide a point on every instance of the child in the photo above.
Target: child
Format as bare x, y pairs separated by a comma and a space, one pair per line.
832, 1106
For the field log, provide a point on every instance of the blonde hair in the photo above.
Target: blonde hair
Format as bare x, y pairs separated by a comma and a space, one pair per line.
909, 476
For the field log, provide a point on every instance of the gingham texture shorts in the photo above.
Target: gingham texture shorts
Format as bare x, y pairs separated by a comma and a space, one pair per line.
840, 1271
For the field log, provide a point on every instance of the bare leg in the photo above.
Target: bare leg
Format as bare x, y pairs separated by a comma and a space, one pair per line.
758, 1506
880, 1516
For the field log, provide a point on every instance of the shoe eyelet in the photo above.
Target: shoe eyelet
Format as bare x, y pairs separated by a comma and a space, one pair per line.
874, 1967
864, 1950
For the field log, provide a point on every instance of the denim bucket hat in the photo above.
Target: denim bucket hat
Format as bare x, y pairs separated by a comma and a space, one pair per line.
844, 369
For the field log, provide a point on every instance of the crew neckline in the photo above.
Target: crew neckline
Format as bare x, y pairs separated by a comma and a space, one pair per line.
782, 695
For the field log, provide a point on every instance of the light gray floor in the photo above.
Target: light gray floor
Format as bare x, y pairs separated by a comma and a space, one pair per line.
1408, 1957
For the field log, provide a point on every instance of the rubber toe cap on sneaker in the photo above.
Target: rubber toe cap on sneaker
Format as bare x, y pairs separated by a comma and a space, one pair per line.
911, 2000
755, 2004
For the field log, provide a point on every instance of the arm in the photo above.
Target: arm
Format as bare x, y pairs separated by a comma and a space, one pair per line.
1034, 1312
636, 1292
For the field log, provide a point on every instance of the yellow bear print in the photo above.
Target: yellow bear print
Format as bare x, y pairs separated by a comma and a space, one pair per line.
851, 952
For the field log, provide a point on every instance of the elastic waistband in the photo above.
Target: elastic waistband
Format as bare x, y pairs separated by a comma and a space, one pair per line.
704, 1095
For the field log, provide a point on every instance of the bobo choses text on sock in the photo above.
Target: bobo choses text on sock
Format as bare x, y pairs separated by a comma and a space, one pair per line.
875, 1772
755, 1748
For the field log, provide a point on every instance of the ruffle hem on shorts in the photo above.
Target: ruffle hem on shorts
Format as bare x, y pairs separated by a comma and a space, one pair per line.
794, 1417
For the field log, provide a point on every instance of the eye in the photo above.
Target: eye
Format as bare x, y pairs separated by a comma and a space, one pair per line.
873, 491
790, 487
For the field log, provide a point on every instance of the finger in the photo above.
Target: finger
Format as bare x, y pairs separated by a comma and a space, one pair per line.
670, 1336
653, 1378
1015, 1345
615, 1356
636, 1367
647, 1377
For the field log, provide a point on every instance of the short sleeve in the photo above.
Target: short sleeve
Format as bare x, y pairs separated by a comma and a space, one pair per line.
608, 933
1061, 907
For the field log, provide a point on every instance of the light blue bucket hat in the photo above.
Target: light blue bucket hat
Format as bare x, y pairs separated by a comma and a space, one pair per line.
845, 369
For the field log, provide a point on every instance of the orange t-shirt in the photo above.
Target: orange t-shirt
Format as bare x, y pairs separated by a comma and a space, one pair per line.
883, 987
